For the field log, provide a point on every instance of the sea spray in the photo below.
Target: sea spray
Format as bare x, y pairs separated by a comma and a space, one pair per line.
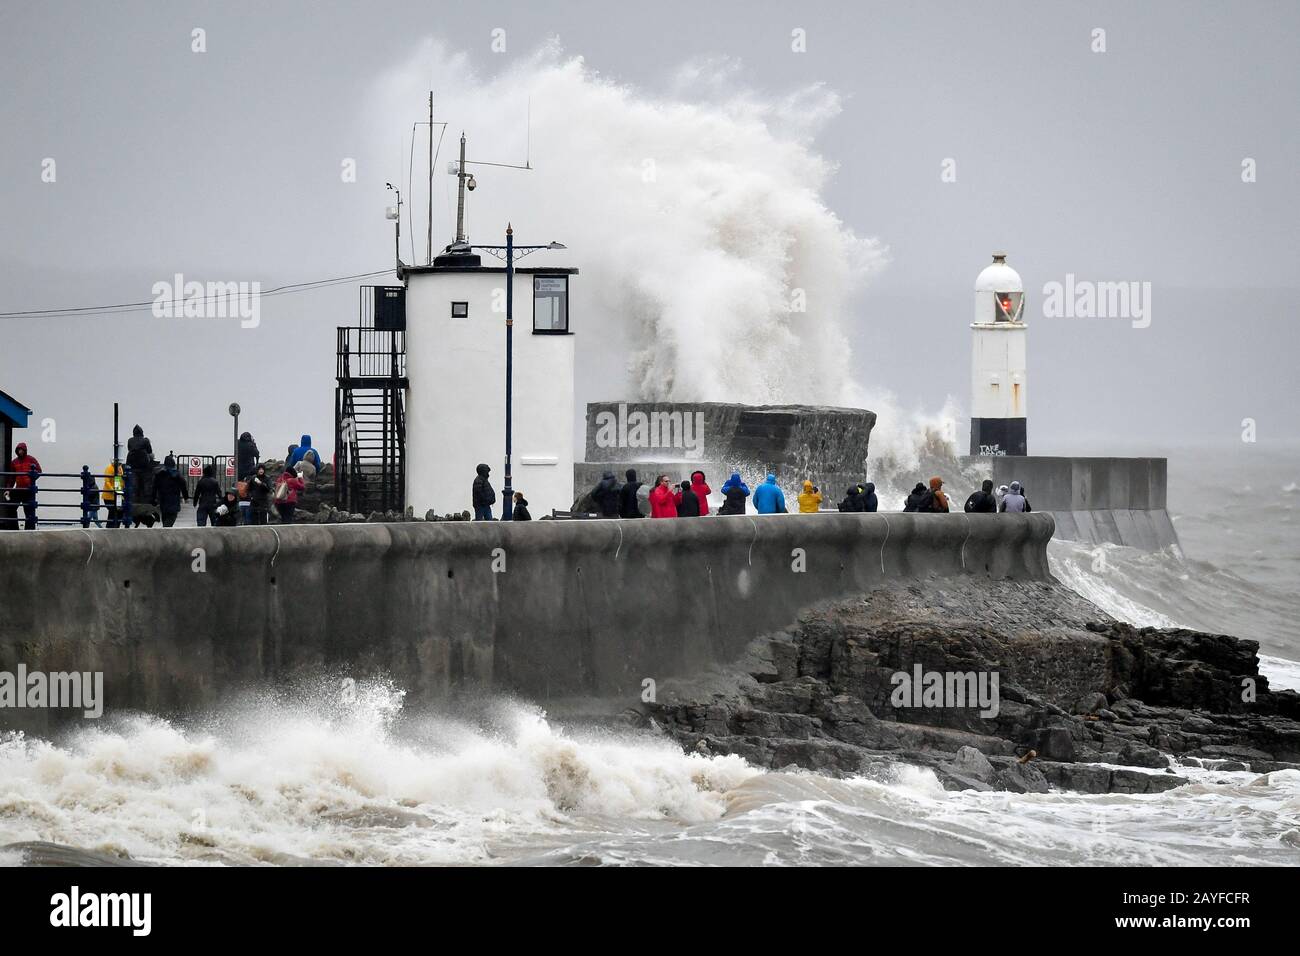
697, 217
297, 776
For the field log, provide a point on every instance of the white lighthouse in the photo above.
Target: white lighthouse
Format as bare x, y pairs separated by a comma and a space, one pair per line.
998, 377
468, 370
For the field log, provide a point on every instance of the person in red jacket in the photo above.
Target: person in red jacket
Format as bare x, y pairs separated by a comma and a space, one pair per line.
286, 494
21, 486
662, 504
702, 491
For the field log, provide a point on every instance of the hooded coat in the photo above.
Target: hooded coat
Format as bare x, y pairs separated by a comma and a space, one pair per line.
113, 487
627, 497
1014, 501
259, 490
938, 500
852, 500
606, 496
867, 495
662, 504
207, 493
483, 494
982, 501
734, 493
23, 463
687, 501
231, 518
246, 456
139, 450
768, 498
919, 499
520, 510
702, 491
304, 450
169, 488
810, 500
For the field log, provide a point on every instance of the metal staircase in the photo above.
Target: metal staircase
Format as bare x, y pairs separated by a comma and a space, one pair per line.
370, 407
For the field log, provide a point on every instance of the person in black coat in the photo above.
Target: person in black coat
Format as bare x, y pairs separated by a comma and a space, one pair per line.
227, 513
520, 510
169, 491
867, 496
852, 500
483, 494
207, 496
139, 458
246, 456
627, 497
606, 496
919, 500
687, 501
982, 501
259, 496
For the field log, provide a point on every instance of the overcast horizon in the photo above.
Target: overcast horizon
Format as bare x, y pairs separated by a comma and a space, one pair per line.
1169, 158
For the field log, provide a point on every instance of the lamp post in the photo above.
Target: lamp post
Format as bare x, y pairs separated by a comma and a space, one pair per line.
509, 252
234, 413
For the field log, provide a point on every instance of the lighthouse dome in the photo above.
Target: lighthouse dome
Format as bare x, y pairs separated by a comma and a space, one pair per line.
999, 277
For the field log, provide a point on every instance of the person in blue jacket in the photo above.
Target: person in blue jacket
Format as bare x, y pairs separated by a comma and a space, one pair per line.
304, 451
734, 493
768, 498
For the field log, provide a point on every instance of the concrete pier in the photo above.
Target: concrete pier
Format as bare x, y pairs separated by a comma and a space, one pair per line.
178, 620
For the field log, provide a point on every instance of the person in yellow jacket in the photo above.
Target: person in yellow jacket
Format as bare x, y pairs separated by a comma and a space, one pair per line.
810, 499
113, 492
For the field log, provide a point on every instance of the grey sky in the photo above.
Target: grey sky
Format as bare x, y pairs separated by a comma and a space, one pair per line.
1122, 165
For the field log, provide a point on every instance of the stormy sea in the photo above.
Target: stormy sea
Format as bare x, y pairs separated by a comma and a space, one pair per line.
300, 779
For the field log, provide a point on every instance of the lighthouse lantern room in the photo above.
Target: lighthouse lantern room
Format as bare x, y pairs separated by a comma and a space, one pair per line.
998, 376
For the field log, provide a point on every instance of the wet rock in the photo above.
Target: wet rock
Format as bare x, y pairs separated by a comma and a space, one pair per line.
1135, 754
1078, 690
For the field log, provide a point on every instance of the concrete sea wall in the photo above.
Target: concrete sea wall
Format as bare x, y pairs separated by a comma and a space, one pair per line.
180, 619
1094, 500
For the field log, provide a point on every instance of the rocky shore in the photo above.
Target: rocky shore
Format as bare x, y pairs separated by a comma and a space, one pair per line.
1073, 699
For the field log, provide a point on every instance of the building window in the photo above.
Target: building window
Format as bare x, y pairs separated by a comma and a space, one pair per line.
460, 310
551, 304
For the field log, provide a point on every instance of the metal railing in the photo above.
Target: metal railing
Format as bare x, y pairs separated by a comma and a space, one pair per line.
370, 353
21, 508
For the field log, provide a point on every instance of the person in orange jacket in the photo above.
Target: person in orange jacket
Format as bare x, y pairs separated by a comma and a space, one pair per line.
940, 499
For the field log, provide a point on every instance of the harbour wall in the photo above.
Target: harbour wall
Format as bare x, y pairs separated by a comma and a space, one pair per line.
1094, 500
180, 620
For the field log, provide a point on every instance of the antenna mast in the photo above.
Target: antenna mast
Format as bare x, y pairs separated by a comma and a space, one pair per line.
429, 247
460, 194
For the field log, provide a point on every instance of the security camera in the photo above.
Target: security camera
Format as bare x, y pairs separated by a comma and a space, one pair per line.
470, 184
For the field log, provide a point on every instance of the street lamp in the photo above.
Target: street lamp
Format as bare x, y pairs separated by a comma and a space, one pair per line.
234, 410
510, 252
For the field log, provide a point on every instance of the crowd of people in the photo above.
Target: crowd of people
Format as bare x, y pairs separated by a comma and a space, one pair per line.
690, 498
158, 490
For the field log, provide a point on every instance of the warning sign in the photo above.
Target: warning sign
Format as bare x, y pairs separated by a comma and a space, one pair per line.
230, 468
196, 466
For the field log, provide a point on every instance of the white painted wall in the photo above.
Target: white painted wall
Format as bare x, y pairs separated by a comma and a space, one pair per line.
456, 400
998, 376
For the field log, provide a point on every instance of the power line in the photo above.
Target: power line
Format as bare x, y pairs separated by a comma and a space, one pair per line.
127, 307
